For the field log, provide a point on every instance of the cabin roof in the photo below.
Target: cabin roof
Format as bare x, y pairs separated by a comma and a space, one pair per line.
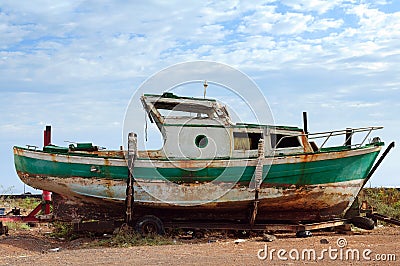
202, 108
170, 101
170, 95
291, 128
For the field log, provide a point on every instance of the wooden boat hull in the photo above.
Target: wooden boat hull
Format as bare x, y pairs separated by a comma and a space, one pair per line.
304, 187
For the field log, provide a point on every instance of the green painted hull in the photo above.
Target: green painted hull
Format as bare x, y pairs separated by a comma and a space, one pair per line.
297, 187
299, 173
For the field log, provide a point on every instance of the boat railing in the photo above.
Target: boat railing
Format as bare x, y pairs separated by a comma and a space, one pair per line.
325, 136
32, 147
348, 132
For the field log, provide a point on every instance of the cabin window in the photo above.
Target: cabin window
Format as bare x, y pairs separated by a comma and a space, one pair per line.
246, 141
201, 141
284, 141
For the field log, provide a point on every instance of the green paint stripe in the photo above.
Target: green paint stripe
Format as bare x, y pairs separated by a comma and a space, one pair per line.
321, 172
50, 168
310, 173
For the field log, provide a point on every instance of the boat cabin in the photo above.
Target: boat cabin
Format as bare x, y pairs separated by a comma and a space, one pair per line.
196, 128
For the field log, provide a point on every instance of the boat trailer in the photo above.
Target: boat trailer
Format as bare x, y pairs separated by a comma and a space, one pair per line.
376, 216
152, 227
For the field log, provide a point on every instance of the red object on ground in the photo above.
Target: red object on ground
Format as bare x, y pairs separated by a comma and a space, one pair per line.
46, 195
46, 201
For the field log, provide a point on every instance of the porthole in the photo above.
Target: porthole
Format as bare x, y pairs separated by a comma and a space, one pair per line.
201, 141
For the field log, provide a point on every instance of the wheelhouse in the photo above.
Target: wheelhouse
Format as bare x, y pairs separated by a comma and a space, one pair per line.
195, 128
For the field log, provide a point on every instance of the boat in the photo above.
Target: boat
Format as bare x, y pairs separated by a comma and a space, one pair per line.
209, 169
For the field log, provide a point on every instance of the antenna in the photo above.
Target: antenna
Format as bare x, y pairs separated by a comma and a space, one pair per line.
205, 88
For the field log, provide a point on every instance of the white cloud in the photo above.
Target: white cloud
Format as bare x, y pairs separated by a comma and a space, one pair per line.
266, 20
319, 6
82, 60
374, 24
291, 23
326, 24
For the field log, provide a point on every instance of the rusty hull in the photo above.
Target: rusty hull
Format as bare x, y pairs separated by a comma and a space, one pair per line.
90, 198
291, 204
294, 203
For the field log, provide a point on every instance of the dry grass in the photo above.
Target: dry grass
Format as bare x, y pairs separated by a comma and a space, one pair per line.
127, 237
385, 201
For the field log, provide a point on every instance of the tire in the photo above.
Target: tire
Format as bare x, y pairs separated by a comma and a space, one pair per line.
243, 233
149, 225
3, 229
363, 222
198, 234
303, 234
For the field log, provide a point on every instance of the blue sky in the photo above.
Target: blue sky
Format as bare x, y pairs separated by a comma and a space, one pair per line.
75, 64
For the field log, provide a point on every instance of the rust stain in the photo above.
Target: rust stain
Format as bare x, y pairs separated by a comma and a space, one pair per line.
269, 209
53, 157
109, 153
306, 144
157, 154
18, 151
109, 188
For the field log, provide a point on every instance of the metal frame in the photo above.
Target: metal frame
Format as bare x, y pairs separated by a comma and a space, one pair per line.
45, 205
32, 217
328, 134
258, 227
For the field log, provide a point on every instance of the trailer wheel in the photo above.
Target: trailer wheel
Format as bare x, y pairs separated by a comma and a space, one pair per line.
303, 234
3, 229
243, 233
363, 222
149, 225
198, 234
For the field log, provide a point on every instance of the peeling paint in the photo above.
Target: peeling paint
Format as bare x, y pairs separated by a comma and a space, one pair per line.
277, 200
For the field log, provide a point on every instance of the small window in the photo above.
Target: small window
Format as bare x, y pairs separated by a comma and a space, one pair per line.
284, 141
201, 141
246, 141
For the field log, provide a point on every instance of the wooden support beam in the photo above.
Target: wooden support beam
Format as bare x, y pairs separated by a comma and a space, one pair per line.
258, 176
132, 155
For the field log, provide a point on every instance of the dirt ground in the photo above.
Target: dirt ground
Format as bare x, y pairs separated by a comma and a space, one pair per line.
36, 247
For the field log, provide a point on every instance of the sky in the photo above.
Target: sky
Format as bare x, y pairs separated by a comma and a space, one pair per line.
76, 64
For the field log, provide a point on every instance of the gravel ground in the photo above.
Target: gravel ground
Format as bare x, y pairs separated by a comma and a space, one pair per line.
35, 247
